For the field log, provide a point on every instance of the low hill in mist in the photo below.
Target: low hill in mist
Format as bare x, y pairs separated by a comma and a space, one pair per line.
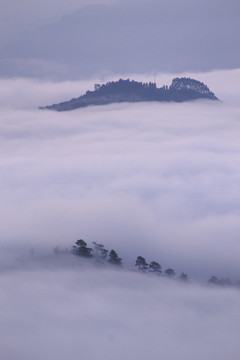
181, 89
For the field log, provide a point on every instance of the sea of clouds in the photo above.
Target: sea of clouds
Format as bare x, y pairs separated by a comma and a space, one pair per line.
159, 180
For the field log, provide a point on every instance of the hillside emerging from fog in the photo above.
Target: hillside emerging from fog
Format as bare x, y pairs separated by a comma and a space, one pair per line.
181, 89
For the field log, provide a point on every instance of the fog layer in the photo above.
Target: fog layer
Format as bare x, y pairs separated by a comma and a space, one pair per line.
159, 180
152, 179
54, 315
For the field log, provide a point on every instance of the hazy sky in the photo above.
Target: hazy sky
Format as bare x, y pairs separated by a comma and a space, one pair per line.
159, 180
69, 40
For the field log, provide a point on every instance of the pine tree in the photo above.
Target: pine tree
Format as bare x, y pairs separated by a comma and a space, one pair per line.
81, 249
114, 258
170, 272
99, 251
141, 263
155, 267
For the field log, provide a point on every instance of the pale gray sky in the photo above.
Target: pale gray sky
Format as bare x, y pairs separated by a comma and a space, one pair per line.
68, 40
16, 14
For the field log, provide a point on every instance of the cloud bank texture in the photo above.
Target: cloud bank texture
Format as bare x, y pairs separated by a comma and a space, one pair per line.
157, 180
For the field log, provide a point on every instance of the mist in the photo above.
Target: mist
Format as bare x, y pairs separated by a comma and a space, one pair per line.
54, 315
160, 180
69, 40
151, 178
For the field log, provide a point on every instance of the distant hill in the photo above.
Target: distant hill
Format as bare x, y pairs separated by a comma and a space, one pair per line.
181, 89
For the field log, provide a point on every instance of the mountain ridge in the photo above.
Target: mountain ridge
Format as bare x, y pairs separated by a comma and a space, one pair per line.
181, 89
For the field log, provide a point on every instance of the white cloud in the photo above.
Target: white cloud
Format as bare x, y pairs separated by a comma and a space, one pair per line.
157, 180
101, 314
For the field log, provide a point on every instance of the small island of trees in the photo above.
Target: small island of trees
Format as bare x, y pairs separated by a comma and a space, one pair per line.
181, 89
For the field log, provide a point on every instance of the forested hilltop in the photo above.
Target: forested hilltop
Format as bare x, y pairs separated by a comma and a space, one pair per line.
181, 89
100, 256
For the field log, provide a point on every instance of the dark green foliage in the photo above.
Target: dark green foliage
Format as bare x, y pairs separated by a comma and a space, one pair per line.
114, 258
189, 84
141, 263
181, 89
102, 255
170, 272
184, 89
155, 267
81, 249
97, 87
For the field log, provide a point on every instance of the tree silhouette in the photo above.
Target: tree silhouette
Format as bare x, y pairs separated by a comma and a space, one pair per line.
100, 251
141, 263
81, 249
181, 89
155, 267
114, 258
170, 272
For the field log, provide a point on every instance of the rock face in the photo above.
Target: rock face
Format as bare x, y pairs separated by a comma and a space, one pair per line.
181, 89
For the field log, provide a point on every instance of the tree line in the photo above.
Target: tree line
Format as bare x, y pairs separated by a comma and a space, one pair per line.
102, 255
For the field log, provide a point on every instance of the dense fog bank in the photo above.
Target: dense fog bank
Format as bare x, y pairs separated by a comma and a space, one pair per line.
149, 179
146, 179
58, 314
